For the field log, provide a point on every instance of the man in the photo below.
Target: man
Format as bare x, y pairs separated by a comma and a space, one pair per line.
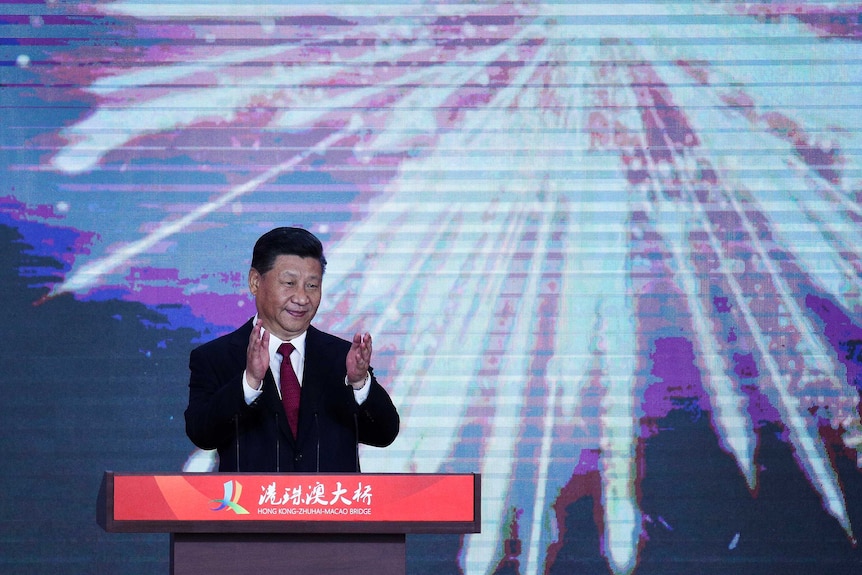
239, 381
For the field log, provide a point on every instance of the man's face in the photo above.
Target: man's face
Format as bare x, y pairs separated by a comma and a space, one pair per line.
288, 295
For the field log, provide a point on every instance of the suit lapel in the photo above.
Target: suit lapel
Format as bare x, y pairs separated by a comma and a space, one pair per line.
270, 399
312, 382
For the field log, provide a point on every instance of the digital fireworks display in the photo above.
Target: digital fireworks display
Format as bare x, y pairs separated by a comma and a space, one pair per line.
610, 254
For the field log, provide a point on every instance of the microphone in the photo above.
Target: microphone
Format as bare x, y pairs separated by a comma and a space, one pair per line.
356, 429
317, 430
277, 445
236, 433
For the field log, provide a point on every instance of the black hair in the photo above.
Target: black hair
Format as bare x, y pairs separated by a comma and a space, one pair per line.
286, 241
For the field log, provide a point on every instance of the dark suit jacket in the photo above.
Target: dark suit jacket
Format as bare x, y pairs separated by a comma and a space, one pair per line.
256, 437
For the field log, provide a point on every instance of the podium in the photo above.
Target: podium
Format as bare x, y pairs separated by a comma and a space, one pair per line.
302, 524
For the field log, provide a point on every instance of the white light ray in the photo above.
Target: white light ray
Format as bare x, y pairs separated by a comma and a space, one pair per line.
729, 416
89, 275
618, 450
514, 369
673, 220
809, 448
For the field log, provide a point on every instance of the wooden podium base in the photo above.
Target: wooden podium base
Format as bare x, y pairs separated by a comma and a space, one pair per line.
296, 554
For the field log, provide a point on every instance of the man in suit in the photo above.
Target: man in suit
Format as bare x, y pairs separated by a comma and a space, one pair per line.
240, 389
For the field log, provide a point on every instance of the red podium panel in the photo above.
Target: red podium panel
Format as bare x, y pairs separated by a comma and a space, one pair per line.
305, 523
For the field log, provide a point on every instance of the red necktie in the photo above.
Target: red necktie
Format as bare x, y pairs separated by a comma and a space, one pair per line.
289, 387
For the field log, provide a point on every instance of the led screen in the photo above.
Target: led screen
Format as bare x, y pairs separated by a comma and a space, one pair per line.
609, 253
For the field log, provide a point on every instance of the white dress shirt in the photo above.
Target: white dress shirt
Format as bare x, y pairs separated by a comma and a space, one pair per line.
297, 360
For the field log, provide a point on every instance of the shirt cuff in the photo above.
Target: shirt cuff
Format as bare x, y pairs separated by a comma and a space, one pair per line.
360, 394
249, 393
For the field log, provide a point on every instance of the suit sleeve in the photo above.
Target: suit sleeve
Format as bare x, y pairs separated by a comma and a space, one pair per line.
215, 400
377, 418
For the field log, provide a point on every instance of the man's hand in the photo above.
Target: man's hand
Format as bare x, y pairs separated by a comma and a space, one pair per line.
257, 356
358, 360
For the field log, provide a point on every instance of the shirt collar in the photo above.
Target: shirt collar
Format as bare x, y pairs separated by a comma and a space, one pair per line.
274, 343
298, 344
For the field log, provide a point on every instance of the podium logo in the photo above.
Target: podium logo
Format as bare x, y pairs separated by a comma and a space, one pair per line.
232, 491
